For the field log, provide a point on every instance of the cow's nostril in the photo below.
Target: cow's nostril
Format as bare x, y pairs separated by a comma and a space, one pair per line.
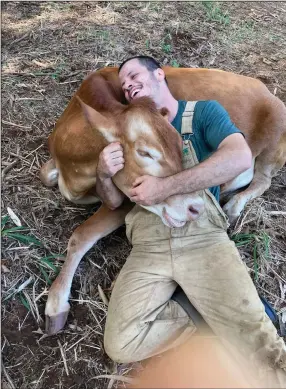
193, 210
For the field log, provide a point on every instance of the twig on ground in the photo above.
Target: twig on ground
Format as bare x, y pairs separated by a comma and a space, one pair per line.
8, 378
63, 357
9, 167
127, 380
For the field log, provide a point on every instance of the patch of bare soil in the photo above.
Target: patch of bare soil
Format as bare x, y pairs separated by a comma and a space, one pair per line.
47, 50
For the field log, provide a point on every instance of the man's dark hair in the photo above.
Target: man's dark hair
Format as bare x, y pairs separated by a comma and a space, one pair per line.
150, 63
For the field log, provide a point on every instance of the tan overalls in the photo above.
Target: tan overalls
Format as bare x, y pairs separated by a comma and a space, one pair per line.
142, 320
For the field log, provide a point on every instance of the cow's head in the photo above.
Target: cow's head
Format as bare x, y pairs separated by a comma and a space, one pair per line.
151, 147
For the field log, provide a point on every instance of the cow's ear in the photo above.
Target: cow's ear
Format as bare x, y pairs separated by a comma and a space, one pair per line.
165, 113
98, 122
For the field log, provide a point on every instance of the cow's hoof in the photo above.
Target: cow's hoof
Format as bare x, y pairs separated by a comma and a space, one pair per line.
233, 209
56, 323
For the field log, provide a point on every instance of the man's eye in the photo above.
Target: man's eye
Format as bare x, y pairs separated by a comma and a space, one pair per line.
133, 76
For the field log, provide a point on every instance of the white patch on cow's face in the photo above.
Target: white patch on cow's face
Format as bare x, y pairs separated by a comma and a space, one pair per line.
153, 170
148, 158
137, 127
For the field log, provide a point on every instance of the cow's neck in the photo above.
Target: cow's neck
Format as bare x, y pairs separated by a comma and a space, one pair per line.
169, 102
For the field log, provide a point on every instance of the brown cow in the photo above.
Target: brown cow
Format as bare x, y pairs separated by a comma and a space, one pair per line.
151, 146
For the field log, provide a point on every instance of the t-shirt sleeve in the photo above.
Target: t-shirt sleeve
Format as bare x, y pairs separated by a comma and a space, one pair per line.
215, 123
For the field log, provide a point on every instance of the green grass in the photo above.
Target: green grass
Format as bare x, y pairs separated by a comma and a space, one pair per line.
215, 14
245, 30
175, 64
56, 74
45, 265
103, 36
13, 233
24, 301
260, 243
167, 44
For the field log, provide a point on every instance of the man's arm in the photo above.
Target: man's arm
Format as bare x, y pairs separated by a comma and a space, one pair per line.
109, 163
232, 157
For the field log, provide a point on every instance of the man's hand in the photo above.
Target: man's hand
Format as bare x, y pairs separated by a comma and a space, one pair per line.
110, 160
109, 163
149, 190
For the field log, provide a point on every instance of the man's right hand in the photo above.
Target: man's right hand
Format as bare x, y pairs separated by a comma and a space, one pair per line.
110, 160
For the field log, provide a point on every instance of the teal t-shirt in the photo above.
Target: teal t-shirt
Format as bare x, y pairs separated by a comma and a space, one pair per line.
211, 125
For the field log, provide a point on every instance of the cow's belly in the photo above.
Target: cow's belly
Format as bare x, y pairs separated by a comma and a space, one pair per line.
240, 181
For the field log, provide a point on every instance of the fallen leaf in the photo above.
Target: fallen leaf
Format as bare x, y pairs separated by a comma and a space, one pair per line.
14, 217
5, 269
102, 295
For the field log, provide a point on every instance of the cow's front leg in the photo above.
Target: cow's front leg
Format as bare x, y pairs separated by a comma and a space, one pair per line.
49, 174
102, 223
236, 204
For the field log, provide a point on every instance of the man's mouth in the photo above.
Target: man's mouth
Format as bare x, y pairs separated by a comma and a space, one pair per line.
170, 221
134, 92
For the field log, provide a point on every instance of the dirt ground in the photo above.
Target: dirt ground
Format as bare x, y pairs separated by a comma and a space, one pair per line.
47, 50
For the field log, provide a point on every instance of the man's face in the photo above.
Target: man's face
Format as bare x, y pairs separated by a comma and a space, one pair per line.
137, 81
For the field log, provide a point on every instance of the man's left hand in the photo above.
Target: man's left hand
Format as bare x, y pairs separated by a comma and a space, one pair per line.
149, 190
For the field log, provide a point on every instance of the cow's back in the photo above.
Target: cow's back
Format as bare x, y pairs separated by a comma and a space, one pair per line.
251, 106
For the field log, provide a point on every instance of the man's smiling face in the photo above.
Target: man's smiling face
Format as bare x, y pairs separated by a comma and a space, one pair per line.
137, 81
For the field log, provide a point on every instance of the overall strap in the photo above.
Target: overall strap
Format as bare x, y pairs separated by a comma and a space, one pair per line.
187, 118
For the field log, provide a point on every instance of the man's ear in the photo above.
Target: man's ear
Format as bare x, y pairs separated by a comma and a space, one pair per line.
98, 122
165, 113
160, 74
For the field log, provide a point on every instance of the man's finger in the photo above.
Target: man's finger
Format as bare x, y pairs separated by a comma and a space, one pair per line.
114, 146
133, 192
119, 167
118, 161
117, 154
134, 199
138, 181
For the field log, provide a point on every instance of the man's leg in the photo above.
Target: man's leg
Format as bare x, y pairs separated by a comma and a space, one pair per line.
142, 320
217, 283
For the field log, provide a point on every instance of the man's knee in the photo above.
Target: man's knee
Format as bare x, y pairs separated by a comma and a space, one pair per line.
116, 349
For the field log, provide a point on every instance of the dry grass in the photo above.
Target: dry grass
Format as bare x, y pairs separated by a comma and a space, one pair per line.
48, 48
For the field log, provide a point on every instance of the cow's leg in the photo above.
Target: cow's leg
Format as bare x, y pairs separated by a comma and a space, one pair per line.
235, 205
49, 173
266, 166
238, 182
102, 223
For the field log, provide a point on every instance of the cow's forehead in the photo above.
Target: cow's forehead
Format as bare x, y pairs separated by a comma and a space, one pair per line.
154, 130
139, 126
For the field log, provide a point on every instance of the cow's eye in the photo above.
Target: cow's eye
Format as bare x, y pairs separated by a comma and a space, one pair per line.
144, 154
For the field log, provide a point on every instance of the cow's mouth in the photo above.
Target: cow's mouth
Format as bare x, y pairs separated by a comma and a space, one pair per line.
170, 221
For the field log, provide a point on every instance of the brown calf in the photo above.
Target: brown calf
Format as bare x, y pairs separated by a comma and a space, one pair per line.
151, 146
